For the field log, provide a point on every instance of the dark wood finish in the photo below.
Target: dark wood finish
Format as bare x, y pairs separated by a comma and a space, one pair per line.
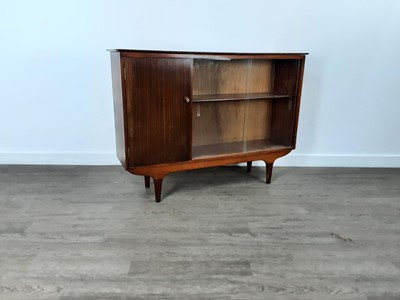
177, 111
147, 181
159, 126
298, 100
119, 108
282, 115
268, 171
249, 164
236, 97
157, 188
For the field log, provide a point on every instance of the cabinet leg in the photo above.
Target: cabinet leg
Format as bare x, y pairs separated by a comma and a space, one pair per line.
157, 188
147, 181
268, 172
249, 163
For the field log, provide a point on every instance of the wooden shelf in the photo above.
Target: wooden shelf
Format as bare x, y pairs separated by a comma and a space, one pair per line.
236, 97
235, 147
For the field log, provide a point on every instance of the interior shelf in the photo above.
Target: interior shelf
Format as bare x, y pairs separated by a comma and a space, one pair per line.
234, 147
236, 97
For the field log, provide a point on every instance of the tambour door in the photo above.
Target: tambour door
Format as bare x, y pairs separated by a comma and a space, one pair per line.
158, 110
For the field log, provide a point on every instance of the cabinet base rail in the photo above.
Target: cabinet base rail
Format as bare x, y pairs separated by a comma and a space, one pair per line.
158, 172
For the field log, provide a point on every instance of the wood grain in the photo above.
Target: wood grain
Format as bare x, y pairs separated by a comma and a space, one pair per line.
79, 232
159, 123
298, 101
284, 113
232, 77
220, 123
257, 125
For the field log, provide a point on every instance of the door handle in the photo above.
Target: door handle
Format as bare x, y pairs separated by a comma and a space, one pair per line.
187, 99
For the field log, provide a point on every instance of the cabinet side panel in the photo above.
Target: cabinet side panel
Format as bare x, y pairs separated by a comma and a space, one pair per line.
283, 111
298, 100
118, 107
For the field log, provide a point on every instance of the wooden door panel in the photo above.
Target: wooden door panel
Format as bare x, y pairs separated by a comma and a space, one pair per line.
158, 119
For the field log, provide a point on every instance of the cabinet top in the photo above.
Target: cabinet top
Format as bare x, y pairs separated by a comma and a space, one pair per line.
216, 55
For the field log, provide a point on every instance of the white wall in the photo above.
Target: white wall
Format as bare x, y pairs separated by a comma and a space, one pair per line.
55, 82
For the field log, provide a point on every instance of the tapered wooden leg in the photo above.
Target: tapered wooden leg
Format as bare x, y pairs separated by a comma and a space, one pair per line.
157, 188
249, 163
147, 181
268, 172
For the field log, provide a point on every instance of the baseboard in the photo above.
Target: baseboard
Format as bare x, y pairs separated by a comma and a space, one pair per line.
59, 158
326, 160
292, 160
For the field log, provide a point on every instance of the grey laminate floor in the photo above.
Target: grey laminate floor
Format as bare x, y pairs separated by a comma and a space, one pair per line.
96, 233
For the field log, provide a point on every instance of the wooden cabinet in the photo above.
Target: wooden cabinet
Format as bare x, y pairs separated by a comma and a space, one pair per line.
178, 111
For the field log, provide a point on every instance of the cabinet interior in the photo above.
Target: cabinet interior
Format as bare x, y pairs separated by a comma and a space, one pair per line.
242, 105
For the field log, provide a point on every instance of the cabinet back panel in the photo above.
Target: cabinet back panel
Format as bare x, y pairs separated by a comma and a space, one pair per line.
230, 121
257, 119
158, 119
218, 122
232, 76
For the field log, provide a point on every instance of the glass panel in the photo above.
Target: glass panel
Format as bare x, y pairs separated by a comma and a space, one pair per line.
257, 126
242, 105
218, 107
269, 121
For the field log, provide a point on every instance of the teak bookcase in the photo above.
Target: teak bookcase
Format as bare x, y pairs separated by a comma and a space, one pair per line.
178, 111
